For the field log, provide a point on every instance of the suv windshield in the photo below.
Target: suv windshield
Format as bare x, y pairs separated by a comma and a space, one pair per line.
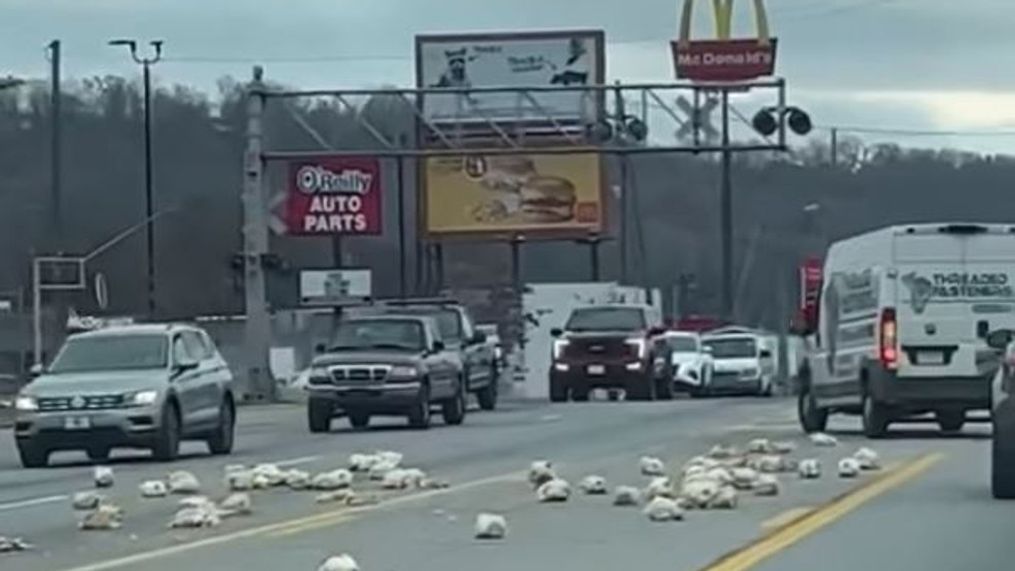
111, 352
606, 319
379, 334
448, 321
732, 348
683, 344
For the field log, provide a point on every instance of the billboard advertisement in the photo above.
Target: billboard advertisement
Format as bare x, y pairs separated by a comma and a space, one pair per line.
561, 58
724, 58
335, 286
507, 195
338, 195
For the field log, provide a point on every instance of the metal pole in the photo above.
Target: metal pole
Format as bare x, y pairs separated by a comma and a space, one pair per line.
516, 263
833, 150
623, 220
257, 327
36, 313
56, 139
594, 257
438, 251
401, 228
149, 203
726, 211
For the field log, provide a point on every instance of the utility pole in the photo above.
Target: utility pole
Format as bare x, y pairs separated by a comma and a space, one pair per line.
402, 287
726, 211
834, 147
257, 327
56, 141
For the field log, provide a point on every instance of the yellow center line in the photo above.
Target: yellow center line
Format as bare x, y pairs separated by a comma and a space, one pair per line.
805, 525
785, 517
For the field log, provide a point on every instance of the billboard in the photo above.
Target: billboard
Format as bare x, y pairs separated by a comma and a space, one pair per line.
338, 195
563, 58
335, 286
724, 58
506, 195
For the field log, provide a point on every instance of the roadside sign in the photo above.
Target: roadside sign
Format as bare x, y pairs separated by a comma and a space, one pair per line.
335, 286
699, 118
724, 59
334, 195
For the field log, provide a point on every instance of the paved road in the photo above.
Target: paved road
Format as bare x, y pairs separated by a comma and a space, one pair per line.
928, 510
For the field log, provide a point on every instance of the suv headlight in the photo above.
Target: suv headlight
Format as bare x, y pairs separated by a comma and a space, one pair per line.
403, 372
26, 403
558, 348
639, 346
142, 398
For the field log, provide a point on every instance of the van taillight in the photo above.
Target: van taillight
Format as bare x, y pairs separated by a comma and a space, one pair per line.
889, 339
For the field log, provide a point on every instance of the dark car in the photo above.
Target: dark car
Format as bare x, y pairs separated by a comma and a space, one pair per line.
1003, 417
385, 365
609, 347
460, 334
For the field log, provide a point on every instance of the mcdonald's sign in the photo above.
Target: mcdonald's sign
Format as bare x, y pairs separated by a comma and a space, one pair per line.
724, 58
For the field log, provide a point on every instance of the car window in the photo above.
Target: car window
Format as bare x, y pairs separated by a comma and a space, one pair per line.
448, 319
606, 319
111, 352
362, 334
181, 351
683, 344
732, 348
196, 345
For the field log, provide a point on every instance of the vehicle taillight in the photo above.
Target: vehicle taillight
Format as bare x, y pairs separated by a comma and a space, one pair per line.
889, 339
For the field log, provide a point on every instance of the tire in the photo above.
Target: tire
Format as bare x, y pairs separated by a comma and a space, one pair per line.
766, 388
358, 419
642, 390
613, 395
221, 441
1002, 466
580, 394
812, 417
875, 417
98, 453
319, 413
951, 421
453, 409
419, 415
558, 390
487, 396
167, 442
33, 456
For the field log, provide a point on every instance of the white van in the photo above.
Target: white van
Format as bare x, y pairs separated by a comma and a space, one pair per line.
902, 324
743, 361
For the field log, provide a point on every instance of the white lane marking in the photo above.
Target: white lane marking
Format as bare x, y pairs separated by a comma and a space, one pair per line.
33, 502
297, 461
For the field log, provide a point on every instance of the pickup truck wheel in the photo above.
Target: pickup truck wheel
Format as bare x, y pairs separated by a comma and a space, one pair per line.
580, 394
319, 412
98, 452
875, 417
33, 456
419, 414
453, 409
487, 396
358, 419
1002, 465
221, 441
558, 390
812, 418
642, 389
951, 421
167, 442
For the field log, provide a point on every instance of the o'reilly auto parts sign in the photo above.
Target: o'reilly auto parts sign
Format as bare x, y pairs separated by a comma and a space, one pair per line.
511, 60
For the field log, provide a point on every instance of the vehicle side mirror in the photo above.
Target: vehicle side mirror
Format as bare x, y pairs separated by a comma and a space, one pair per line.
478, 338
1000, 339
556, 332
183, 366
320, 348
766, 354
656, 330
36, 370
438, 346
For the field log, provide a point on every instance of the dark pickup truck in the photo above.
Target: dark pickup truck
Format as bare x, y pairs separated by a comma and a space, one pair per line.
385, 365
609, 347
459, 334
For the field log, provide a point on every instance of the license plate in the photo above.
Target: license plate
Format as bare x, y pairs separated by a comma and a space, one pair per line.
931, 358
596, 370
77, 423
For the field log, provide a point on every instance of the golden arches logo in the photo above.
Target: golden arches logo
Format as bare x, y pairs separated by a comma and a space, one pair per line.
722, 11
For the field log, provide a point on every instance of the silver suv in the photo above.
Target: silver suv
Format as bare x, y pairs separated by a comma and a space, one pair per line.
137, 386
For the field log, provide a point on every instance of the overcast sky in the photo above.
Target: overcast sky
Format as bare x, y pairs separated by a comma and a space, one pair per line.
912, 64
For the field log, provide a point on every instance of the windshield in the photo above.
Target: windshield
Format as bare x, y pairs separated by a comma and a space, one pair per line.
606, 319
379, 334
732, 348
448, 321
111, 352
683, 344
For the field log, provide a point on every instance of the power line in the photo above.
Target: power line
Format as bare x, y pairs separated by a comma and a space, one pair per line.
908, 132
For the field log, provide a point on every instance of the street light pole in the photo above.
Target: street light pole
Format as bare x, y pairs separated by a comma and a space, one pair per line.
146, 63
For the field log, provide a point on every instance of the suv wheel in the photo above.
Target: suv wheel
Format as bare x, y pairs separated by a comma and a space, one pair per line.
1002, 465
951, 420
558, 390
33, 456
358, 418
419, 414
221, 441
875, 417
167, 442
453, 409
487, 395
319, 412
98, 452
812, 418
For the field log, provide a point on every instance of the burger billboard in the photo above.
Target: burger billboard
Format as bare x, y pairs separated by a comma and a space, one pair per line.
535, 194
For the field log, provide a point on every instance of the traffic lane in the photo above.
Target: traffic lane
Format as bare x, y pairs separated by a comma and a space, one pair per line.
943, 521
495, 445
612, 453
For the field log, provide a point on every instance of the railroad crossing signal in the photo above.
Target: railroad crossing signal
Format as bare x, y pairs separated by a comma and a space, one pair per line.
699, 119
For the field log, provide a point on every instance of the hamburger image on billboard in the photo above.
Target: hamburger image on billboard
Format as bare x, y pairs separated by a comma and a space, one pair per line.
504, 194
333, 195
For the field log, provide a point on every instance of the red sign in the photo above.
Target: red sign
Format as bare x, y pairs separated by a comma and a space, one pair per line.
334, 195
811, 277
724, 60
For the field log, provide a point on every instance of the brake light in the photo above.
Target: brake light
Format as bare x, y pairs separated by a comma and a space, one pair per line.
889, 339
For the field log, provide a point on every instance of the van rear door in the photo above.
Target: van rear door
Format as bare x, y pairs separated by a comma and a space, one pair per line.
955, 284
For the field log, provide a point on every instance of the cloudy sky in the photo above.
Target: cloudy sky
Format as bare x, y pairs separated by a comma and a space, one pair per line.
886, 64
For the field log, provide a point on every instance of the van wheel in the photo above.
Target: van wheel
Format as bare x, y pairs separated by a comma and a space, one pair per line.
875, 417
1002, 466
951, 421
812, 417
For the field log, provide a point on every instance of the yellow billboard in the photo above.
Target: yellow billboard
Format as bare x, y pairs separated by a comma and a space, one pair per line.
531, 195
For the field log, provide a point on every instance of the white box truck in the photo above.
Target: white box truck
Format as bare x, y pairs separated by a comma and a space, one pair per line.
901, 329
